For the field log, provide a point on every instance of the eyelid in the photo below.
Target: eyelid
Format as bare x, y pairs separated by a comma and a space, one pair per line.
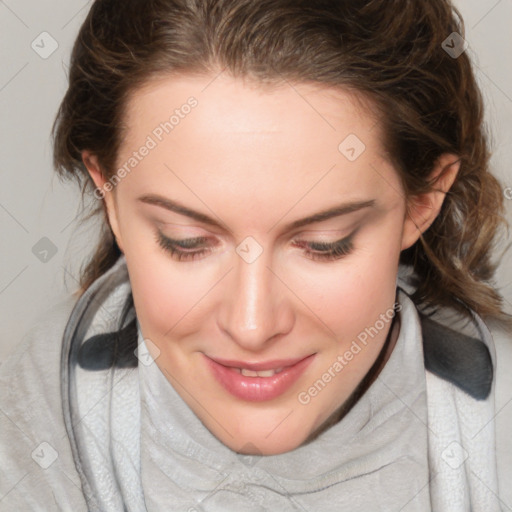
184, 242
332, 235
187, 227
326, 243
304, 237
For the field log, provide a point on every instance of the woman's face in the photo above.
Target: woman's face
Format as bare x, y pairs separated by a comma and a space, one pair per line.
262, 230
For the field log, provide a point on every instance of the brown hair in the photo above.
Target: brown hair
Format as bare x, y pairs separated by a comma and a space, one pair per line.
390, 52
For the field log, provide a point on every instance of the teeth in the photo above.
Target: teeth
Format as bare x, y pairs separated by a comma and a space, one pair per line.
262, 373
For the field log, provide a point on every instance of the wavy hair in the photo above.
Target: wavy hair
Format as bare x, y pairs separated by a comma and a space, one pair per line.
392, 53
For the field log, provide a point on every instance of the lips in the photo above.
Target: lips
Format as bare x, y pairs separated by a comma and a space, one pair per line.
257, 382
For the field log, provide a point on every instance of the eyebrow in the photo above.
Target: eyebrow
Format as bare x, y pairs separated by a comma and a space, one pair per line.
336, 211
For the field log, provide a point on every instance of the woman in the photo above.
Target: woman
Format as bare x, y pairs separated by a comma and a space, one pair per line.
286, 308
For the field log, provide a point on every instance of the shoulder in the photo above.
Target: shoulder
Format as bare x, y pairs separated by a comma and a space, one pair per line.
503, 400
480, 366
34, 365
37, 468
456, 348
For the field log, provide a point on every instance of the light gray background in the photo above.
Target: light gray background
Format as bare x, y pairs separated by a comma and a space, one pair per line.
35, 204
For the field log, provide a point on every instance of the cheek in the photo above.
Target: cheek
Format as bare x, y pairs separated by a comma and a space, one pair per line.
351, 294
167, 300
165, 292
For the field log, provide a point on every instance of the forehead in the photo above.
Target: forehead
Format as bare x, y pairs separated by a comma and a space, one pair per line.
239, 105
242, 136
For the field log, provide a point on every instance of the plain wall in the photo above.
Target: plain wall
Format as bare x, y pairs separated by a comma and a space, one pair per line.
41, 245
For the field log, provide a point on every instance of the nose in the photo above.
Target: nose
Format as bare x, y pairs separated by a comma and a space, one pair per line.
255, 310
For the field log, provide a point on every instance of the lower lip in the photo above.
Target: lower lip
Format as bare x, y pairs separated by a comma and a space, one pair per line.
258, 389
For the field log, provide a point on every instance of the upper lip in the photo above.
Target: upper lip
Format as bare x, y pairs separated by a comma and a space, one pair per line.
259, 366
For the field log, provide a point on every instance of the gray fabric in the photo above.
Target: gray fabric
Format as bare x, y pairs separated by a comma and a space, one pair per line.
101, 408
32, 427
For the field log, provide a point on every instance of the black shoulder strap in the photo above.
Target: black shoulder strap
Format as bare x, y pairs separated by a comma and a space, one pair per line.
457, 358
104, 351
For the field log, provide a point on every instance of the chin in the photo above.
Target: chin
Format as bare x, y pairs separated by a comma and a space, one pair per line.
272, 438
267, 447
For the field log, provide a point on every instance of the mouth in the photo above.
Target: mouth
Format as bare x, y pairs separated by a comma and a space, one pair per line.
257, 382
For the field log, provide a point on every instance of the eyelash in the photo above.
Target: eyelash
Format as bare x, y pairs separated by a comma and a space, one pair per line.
322, 251
171, 246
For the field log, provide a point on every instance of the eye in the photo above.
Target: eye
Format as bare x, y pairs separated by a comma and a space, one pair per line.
325, 251
184, 250
189, 249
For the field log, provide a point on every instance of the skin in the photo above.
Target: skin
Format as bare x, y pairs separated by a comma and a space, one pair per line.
256, 159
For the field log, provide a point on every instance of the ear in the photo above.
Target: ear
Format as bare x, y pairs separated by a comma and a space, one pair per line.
423, 209
103, 192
